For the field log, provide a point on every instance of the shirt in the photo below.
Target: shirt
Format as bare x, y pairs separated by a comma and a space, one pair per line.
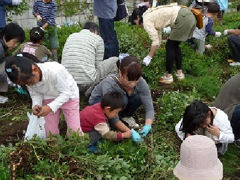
3, 3
105, 9
56, 84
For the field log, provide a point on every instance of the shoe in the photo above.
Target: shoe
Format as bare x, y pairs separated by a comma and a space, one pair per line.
180, 77
131, 122
3, 99
234, 64
230, 60
166, 80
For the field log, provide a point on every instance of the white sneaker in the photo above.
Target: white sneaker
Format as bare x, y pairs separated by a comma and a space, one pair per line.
131, 122
166, 80
234, 64
3, 99
180, 76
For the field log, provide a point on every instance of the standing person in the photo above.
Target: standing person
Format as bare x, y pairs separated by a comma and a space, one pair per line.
51, 88
45, 12
182, 22
223, 7
106, 10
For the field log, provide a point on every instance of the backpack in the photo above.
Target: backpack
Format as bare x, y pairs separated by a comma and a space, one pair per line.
199, 17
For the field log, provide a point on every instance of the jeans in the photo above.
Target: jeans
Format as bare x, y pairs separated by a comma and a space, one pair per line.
235, 122
106, 27
234, 43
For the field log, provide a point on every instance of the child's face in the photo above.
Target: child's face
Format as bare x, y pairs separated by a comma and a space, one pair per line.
36, 76
11, 44
46, 1
111, 113
207, 121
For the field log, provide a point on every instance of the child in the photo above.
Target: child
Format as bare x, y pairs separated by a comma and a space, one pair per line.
10, 37
45, 12
34, 47
94, 119
51, 88
198, 160
198, 118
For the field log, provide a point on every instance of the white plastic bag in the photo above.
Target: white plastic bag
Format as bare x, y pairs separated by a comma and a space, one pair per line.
35, 126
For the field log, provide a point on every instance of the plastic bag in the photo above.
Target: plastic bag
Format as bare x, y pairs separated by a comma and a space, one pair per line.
35, 126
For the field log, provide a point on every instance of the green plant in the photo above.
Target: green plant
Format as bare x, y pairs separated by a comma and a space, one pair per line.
17, 10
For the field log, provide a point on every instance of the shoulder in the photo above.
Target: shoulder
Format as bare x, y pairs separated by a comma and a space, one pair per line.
220, 115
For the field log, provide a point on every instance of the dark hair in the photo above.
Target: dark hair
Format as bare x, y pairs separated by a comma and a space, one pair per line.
29, 56
130, 65
19, 68
114, 100
213, 7
36, 34
93, 27
195, 114
138, 12
12, 31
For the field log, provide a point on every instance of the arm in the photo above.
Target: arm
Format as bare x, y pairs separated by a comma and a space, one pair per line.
209, 26
234, 31
36, 97
99, 52
52, 16
180, 134
35, 9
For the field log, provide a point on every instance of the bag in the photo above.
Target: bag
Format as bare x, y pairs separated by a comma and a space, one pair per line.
199, 17
121, 10
35, 126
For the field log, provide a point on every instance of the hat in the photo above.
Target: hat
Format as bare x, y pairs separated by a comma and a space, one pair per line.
198, 160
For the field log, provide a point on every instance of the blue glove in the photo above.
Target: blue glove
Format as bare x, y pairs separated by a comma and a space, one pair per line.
135, 136
146, 129
93, 148
21, 91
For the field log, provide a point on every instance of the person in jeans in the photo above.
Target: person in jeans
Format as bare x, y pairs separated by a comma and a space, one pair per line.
106, 10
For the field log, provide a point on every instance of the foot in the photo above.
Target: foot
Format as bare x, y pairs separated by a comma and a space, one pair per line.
230, 60
131, 122
180, 76
166, 80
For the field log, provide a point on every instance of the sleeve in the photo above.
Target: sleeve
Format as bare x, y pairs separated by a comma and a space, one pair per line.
209, 26
36, 97
104, 130
5, 2
35, 9
100, 50
53, 14
180, 134
16, 2
154, 34
47, 51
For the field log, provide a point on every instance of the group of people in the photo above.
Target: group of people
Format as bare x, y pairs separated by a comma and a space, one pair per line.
114, 85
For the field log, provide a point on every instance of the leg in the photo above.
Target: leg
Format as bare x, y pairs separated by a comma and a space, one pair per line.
94, 137
234, 44
178, 57
54, 43
170, 55
235, 122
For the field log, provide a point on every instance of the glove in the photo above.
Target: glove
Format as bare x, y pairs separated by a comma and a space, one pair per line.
39, 18
225, 32
208, 46
147, 60
218, 34
42, 28
146, 129
135, 136
167, 30
16, 2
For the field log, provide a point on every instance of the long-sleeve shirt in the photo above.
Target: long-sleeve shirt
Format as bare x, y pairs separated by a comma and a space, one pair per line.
209, 26
3, 12
3, 75
56, 83
221, 121
47, 11
93, 118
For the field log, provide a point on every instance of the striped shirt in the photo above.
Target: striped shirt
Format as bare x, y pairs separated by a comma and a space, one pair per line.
47, 11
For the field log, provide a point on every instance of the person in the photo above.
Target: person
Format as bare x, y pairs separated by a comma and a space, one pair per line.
199, 35
51, 88
228, 100
198, 118
83, 55
234, 44
182, 22
130, 83
4, 3
106, 10
45, 13
10, 37
198, 160
223, 7
34, 47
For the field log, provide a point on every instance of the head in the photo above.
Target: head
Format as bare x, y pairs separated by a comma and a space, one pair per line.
46, 1
12, 35
22, 70
130, 71
93, 27
213, 8
136, 18
112, 103
36, 35
196, 115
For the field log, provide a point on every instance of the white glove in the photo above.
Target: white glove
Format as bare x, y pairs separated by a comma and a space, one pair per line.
208, 46
167, 30
218, 34
39, 18
41, 28
16, 2
147, 60
225, 32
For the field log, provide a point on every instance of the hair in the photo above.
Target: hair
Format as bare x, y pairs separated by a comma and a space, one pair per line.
195, 114
36, 34
29, 56
213, 7
13, 31
93, 27
131, 66
138, 12
114, 100
19, 68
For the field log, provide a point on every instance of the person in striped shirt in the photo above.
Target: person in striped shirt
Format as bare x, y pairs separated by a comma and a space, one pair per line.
45, 12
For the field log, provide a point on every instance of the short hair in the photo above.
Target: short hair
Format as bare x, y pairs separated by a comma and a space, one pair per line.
29, 56
36, 34
13, 31
138, 12
93, 27
131, 66
114, 100
213, 7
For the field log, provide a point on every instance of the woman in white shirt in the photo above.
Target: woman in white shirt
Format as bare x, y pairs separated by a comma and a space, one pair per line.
200, 119
51, 88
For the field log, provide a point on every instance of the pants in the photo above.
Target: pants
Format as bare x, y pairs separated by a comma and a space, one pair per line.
235, 122
94, 137
198, 45
173, 52
234, 44
106, 27
71, 113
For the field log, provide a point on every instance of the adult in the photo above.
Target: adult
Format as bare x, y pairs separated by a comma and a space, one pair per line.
83, 54
106, 10
182, 22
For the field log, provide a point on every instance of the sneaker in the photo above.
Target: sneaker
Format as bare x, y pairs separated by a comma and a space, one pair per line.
180, 77
131, 122
3, 99
166, 80
234, 64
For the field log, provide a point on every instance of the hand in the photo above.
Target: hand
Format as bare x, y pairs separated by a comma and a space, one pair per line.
167, 30
42, 28
146, 129
16, 2
208, 46
226, 32
135, 136
147, 60
39, 18
218, 34
45, 110
36, 109
212, 129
